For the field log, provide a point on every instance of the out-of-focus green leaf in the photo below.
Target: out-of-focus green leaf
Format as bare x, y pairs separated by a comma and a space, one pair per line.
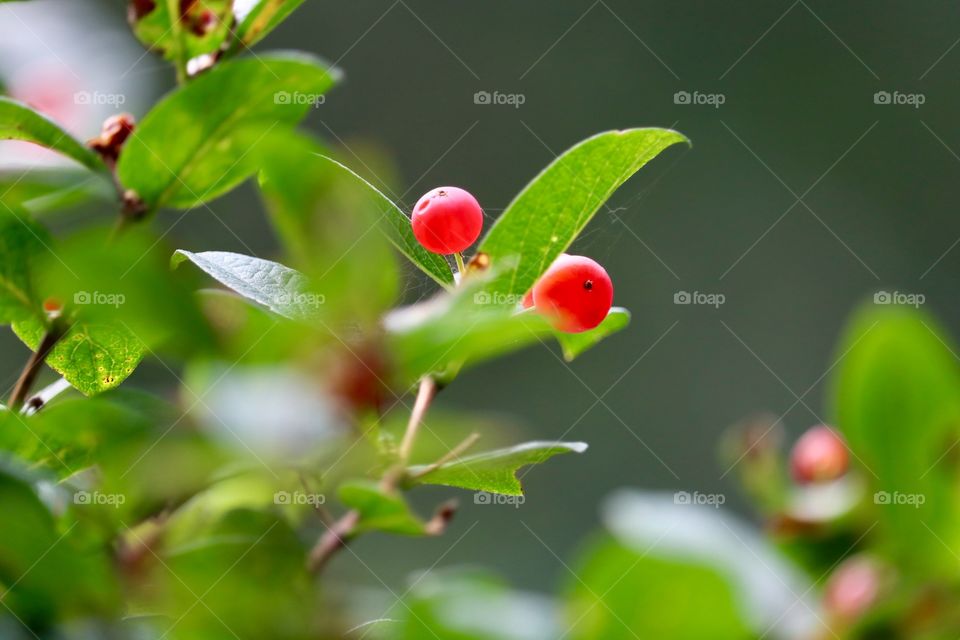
183, 30
667, 555
554, 208
469, 604
21, 242
47, 574
263, 18
51, 192
399, 229
574, 344
380, 510
128, 287
93, 357
20, 122
494, 471
897, 401
284, 291
202, 139
249, 566
328, 221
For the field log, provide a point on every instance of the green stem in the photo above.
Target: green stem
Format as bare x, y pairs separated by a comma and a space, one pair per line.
461, 267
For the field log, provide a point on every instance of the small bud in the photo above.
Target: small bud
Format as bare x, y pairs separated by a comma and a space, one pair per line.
115, 131
820, 455
52, 306
853, 588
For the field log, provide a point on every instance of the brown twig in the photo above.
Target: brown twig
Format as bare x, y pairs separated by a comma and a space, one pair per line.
34, 364
340, 532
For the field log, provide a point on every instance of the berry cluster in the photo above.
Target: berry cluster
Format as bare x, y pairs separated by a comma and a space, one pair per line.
575, 292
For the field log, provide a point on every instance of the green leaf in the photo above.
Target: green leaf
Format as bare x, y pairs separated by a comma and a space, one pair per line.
554, 208
494, 471
666, 556
574, 344
284, 291
93, 357
264, 18
400, 231
202, 139
21, 241
897, 399
48, 574
380, 510
181, 35
20, 122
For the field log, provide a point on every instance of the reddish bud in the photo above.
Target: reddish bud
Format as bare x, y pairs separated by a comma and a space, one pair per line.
853, 588
820, 455
115, 131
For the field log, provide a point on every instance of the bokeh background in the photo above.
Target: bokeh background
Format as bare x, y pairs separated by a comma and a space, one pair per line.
800, 198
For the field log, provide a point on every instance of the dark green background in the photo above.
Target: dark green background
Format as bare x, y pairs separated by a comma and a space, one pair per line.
884, 210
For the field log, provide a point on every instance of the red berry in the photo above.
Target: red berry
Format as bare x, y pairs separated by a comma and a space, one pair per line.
447, 220
527, 301
575, 292
819, 455
52, 305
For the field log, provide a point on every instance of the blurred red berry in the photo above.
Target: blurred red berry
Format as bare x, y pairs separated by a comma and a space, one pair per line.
528, 300
447, 220
820, 455
575, 293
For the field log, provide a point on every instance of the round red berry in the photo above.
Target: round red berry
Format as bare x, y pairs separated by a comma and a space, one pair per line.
447, 220
575, 293
820, 455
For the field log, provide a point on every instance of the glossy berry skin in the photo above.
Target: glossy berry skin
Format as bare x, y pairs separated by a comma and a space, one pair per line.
820, 455
447, 220
575, 293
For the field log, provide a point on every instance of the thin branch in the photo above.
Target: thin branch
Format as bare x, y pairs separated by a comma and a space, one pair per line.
450, 455
34, 364
425, 395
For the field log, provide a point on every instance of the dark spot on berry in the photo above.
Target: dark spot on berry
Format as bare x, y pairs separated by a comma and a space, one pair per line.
588, 285
442, 193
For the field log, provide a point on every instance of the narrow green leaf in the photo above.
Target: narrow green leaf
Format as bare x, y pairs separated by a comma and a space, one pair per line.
380, 510
202, 140
574, 344
283, 290
93, 357
264, 18
897, 399
20, 122
400, 232
554, 208
495, 471
21, 241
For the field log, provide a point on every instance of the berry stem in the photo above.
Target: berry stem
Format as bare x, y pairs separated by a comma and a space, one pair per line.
425, 395
461, 267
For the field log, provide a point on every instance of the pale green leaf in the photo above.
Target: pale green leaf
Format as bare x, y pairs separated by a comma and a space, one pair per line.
283, 290
263, 18
379, 510
494, 471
